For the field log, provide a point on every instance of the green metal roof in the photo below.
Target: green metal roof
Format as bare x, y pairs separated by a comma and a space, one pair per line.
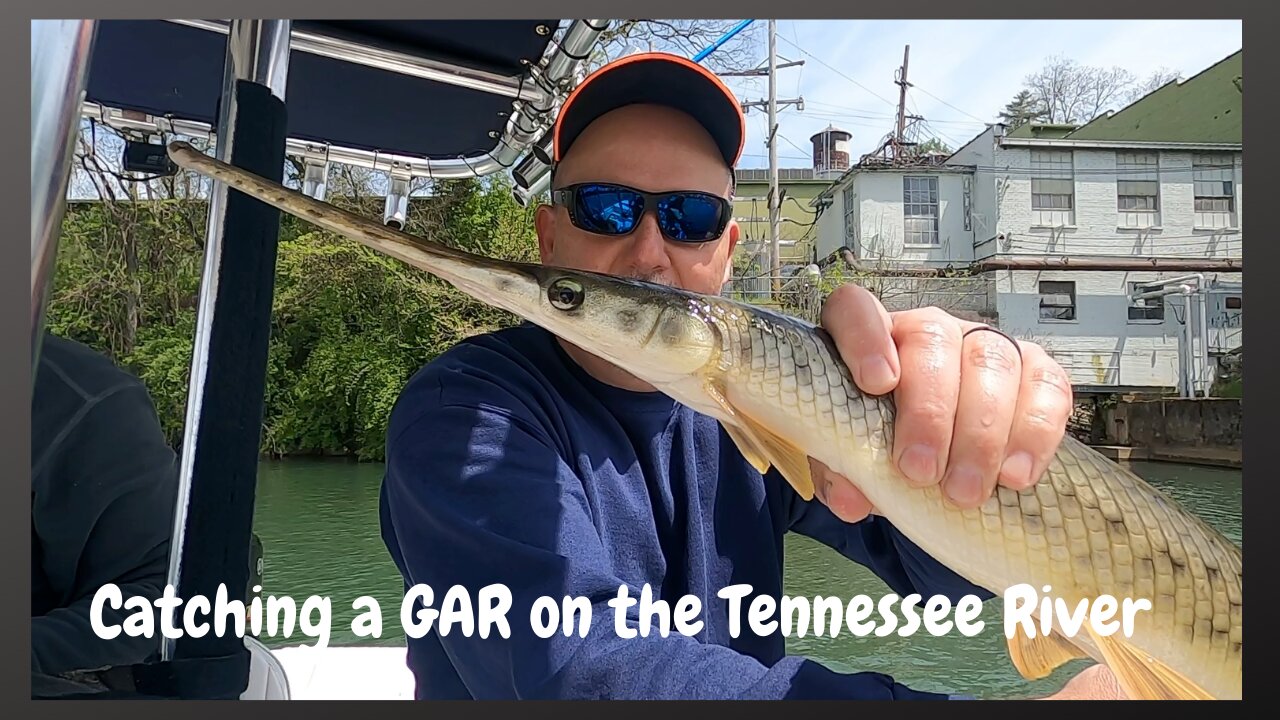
1204, 108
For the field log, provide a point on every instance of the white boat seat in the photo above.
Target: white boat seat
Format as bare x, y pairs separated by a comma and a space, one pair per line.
267, 678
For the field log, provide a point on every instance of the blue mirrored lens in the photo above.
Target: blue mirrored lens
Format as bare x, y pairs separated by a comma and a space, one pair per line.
608, 210
689, 217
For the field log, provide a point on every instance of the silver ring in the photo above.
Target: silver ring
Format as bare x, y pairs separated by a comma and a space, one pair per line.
997, 331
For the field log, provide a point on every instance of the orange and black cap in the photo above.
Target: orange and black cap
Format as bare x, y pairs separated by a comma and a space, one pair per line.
658, 79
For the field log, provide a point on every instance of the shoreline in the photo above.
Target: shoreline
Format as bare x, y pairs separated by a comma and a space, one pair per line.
1217, 457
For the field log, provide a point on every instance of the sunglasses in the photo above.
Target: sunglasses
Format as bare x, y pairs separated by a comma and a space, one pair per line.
615, 210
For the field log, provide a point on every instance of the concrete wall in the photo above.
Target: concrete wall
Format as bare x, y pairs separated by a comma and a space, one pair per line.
829, 231
1217, 423
1103, 346
1225, 322
880, 228
979, 153
1095, 227
751, 210
797, 229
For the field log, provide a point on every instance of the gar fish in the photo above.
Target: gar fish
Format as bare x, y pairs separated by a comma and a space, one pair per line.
778, 386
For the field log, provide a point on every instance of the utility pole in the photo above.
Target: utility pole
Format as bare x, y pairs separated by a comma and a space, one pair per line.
902, 105
774, 203
771, 106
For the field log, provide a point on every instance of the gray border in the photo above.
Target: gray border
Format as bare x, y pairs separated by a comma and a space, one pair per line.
15, 448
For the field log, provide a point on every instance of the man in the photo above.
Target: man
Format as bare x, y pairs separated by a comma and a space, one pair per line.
520, 460
103, 486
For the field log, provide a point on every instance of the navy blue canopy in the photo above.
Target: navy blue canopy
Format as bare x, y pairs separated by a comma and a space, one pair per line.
173, 70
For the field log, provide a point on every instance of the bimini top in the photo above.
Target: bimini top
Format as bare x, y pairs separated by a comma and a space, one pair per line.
450, 98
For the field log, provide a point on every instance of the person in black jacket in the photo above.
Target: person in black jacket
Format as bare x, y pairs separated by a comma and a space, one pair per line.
103, 489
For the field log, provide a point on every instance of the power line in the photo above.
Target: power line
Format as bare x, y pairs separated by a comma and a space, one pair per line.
829, 113
780, 157
846, 110
928, 125
784, 137
853, 110
800, 75
953, 107
832, 69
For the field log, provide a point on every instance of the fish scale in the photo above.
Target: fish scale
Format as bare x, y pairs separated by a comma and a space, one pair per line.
1081, 530
1088, 527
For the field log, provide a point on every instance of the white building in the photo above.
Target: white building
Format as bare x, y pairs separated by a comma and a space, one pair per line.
1158, 182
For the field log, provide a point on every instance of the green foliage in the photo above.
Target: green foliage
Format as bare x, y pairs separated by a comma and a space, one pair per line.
350, 326
1022, 109
1229, 382
932, 145
1230, 389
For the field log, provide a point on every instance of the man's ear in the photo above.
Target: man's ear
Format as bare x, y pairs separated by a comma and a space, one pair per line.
544, 223
731, 234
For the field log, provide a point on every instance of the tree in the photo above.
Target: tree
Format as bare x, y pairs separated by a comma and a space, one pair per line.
932, 145
1075, 94
1065, 91
1155, 81
681, 37
1022, 109
349, 324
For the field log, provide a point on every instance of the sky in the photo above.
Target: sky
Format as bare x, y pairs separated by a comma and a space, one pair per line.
963, 71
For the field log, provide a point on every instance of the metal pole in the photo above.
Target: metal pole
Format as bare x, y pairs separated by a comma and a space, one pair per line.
902, 105
723, 39
60, 51
390, 60
257, 51
1203, 293
776, 260
1186, 332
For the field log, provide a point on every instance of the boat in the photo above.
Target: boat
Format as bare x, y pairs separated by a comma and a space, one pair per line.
433, 99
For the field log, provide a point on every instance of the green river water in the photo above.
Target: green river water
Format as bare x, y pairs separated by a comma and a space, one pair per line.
318, 522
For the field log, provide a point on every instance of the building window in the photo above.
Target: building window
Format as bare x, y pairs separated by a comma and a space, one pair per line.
1057, 300
1214, 178
1052, 188
920, 210
1138, 189
1234, 302
850, 216
1146, 310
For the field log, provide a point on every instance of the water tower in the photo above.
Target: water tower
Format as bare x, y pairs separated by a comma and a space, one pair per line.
830, 153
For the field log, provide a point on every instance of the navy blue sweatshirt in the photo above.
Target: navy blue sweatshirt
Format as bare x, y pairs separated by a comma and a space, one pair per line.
507, 463
103, 486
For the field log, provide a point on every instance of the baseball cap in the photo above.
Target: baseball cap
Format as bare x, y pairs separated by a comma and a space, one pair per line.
660, 79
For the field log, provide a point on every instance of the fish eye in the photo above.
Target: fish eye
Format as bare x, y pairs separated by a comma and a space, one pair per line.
565, 294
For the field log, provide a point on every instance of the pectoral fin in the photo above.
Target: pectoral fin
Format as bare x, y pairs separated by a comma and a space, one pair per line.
763, 448
1037, 657
751, 450
1144, 677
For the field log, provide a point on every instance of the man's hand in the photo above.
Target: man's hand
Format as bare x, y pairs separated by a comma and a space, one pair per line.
972, 411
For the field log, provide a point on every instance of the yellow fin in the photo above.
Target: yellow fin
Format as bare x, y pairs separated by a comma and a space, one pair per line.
747, 445
762, 448
1143, 677
792, 462
1037, 657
